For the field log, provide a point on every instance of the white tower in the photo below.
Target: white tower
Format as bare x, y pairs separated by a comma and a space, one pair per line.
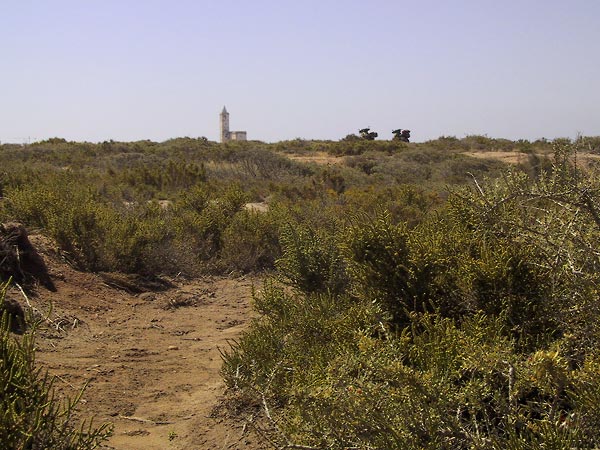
224, 125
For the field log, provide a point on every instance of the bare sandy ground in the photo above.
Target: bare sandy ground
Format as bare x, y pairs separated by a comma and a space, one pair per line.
507, 157
318, 158
583, 159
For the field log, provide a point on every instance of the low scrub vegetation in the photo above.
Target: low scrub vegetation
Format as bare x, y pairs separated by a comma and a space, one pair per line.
176, 207
420, 297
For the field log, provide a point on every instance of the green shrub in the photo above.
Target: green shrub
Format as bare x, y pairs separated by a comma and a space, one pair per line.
380, 265
545, 231
91, 232
200, 219
294, 333
505, 281
330, 382
251, 241
311, 260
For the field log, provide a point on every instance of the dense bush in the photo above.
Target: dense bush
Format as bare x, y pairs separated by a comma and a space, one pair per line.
311, 260
476, 328
98, 234
251, 241
91, 231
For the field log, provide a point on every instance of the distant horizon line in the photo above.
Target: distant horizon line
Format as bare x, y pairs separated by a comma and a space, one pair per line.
31, 141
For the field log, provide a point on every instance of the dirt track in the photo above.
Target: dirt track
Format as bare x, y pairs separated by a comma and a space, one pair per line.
151, 361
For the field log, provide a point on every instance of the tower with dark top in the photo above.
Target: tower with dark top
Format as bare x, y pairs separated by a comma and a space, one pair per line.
224, 125
227, 135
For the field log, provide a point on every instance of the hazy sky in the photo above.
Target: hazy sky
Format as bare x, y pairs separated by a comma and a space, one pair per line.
155, 69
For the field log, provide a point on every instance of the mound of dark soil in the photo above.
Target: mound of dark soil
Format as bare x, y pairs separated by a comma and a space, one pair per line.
15, 313
19, 260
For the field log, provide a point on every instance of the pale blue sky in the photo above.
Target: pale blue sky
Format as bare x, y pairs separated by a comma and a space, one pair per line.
319, 69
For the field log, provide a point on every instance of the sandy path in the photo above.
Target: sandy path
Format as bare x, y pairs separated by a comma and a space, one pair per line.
151, 361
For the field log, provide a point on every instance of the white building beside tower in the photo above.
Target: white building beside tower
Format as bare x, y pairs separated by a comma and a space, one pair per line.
227, 135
